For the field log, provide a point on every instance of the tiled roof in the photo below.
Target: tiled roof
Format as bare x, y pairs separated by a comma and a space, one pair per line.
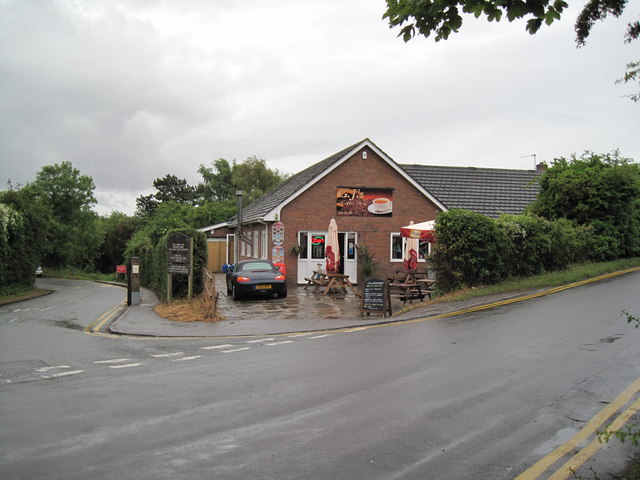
270, 200
489, 191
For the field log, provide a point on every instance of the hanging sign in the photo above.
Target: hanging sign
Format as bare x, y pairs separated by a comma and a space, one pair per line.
277, 254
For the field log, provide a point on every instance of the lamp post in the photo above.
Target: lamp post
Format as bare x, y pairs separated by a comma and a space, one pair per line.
239, 226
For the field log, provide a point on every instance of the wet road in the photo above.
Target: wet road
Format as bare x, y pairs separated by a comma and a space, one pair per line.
480, 396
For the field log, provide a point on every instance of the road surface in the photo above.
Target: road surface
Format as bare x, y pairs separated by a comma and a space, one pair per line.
483, 396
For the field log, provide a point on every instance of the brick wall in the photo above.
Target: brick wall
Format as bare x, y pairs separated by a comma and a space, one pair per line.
313, 209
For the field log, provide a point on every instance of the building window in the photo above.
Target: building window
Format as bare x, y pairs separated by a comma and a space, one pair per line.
303, 238
397, 248
351, 246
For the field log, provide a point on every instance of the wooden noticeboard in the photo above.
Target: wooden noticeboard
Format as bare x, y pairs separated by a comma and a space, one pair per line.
375, 297
179, 261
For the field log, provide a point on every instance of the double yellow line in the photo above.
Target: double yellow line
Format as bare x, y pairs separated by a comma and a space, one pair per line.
94, 327
597, 422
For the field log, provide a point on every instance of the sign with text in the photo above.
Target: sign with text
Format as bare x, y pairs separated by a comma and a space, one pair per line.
364, 202
121, 269
178, 253
375, 297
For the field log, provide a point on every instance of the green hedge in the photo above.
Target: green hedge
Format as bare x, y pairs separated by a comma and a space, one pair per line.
473, 249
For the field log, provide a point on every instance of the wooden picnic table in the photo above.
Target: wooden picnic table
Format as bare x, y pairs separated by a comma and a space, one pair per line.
329, 281
317, 279
338, 281
407, 291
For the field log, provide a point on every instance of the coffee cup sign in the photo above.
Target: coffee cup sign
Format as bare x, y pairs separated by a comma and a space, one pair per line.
381, 204
364, 202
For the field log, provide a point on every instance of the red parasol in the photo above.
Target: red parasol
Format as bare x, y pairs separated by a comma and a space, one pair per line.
331, 248
425, 231
411, 253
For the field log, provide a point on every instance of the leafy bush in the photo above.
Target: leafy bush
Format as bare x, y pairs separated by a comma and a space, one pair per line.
469, 251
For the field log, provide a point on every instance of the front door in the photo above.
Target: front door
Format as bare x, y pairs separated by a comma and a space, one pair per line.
311, 255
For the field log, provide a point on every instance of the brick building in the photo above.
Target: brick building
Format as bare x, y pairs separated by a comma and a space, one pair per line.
371, 197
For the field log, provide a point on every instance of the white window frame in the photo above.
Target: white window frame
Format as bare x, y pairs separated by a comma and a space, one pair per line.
404, 241
256, 249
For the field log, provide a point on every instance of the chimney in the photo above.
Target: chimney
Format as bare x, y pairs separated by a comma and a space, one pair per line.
541, 167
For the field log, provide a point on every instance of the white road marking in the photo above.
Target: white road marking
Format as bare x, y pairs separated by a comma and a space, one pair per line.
126, 365
214, 347
260, 340
236, 350
13, 319
278, 343
182, 359
166, 355
299, 335
113, 360
321, 336
63, 374
46, 369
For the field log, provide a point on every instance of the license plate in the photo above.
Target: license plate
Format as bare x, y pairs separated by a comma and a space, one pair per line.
263, 287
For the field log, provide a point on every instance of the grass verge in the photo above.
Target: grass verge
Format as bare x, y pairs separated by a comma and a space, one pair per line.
573, 274
18, 294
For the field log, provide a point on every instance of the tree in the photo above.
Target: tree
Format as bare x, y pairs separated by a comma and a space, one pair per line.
74, 238
25, 227
218, 181
601, 191
169, 189
443, 17
252, 176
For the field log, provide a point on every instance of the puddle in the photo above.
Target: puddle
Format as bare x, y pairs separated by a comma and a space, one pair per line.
68, 324
610, 339
563, 436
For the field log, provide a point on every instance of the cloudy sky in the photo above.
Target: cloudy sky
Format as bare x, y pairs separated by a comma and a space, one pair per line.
129, 91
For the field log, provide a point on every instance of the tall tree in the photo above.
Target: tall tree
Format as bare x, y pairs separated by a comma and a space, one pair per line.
168, 189
252, 176
217, 184
74, 237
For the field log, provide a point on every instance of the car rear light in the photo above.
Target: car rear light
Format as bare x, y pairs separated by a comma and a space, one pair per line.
279, 277
242, 279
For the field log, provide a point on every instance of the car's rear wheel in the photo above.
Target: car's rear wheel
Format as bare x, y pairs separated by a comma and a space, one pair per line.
282, 294
234, 292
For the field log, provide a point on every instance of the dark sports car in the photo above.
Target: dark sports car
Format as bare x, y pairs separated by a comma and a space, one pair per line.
255, 277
